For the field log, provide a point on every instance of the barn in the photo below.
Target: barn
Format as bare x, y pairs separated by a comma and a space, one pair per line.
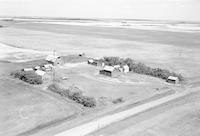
107, 70
172, 79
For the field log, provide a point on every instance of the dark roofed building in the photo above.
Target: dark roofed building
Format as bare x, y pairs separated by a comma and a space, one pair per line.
108, 71
173, 80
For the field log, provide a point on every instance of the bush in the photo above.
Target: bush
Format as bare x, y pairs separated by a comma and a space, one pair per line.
76, 96
111, 61
118, 100
54, 88
88, 101
27, 76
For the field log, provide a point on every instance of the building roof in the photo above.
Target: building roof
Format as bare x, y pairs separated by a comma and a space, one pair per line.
52, 58
48, 65
40, 72
108, 68
37, 67
28, 69
91, 60
126, 67
172, 78
116, 66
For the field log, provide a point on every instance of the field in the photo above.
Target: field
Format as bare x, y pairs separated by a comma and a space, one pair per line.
24, 108
23, 42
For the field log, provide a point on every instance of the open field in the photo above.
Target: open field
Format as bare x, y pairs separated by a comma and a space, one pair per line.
177, 51
22, 42
24, 108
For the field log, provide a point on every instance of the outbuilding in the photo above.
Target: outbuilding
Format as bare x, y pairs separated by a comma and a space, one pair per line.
107, 70
126, 68
172, 79
37, 67
53, 59
48, 67
92, 62
28, 69
40, 73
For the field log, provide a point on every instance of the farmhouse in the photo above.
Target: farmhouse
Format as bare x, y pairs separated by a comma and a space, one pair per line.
172, 79
107, 70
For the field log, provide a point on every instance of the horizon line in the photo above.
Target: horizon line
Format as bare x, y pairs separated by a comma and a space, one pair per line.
94, 18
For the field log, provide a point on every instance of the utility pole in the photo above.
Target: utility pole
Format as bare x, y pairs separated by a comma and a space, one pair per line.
54, 65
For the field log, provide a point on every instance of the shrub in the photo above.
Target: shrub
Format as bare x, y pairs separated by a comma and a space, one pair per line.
112, 61
88, 101
118, 100
27, 76
54, 88
141, 68
76, 96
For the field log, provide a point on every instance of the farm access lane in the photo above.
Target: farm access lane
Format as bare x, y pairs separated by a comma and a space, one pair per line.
97, 124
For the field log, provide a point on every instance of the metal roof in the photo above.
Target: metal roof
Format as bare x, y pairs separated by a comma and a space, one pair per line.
52, 58
108, 68
40, 72
172, 78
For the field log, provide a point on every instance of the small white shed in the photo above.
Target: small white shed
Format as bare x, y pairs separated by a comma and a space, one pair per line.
126, 68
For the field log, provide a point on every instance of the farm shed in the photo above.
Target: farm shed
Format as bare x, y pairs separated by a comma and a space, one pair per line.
172, 79
53, 59
108, 71
126, 68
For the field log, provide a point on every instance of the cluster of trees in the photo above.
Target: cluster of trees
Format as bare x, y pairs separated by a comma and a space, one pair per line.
27, 76
141, 68
76, 96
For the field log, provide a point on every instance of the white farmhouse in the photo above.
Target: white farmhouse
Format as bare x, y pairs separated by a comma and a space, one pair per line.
126, 68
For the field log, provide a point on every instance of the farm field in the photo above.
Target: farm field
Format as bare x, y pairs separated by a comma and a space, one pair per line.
23, 42
24, 108
177, 51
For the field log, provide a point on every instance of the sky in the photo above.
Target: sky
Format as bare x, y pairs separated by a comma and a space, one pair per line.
188, 10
